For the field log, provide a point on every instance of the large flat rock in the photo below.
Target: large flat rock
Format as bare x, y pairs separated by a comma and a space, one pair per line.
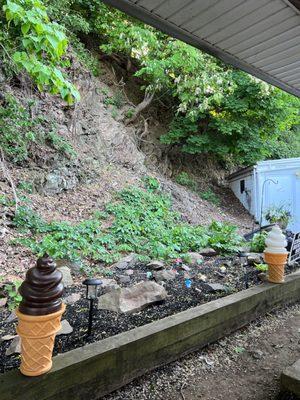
290, 378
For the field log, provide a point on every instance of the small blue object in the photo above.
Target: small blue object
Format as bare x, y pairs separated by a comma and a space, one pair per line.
149, 275
188, 283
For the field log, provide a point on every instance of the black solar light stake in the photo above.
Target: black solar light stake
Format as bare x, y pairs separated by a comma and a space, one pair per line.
92, 293
243, 256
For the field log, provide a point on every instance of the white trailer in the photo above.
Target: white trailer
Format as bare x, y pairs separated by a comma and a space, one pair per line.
269, 184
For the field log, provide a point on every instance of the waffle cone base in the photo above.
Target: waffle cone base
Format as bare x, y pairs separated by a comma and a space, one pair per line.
37, 341
276, 263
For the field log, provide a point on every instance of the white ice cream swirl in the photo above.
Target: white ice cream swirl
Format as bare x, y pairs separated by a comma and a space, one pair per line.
275, 241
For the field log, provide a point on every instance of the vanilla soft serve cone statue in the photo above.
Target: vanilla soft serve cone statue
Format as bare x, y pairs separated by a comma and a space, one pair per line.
275, 254
39, 316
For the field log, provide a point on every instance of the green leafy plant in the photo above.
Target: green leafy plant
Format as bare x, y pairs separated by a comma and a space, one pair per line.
261, 267
184, 179
142, 221
14, 298
210, 196
41, 45
151, 183
278, 215
258, 241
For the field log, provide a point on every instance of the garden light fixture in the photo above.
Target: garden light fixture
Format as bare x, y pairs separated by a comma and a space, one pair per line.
92, 293
243, 256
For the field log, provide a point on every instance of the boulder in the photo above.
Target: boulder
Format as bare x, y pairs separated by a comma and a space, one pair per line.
214, 287
124, 278
255, 258
67, 277
132, 299
108, 285
15, 347
65, 329
72, 298
164, 275
156, 265
127, 262
58, 180
3, 301
208, 252
195, 259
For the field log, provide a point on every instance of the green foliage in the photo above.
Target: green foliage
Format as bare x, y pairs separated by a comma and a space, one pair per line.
257, 243
117, 99
41, 45
22, 132
143, 223
151, 183
184, 179
278, 215
218, 110
26, 186
14, 298
224, 237
261, 267
210, 195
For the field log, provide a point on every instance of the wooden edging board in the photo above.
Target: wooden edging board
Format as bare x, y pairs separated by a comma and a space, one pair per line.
99, 368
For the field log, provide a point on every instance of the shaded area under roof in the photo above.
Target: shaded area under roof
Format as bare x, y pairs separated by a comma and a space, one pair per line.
261, 37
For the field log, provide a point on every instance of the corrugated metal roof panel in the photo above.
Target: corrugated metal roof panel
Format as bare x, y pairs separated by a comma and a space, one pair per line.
261, 37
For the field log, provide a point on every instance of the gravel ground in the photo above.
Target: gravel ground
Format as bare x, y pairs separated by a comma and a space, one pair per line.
243, 366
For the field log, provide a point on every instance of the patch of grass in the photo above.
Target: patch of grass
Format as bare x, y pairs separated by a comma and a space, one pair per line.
143, 222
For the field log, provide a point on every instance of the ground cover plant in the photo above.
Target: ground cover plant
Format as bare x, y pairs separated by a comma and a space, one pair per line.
142, 221
23, 132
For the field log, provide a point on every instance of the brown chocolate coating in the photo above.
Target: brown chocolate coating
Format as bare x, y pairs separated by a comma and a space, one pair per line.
42, 289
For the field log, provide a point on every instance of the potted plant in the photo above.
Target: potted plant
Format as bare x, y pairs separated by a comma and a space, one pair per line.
278, 215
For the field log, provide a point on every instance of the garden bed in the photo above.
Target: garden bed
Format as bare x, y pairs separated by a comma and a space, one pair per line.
101, 367
108, 323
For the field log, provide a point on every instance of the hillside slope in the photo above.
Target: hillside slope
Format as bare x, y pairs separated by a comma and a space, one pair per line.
108, 158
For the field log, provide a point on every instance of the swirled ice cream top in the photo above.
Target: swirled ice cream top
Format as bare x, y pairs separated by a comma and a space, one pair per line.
275, 241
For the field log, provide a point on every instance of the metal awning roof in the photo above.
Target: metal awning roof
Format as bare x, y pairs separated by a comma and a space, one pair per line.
261, 37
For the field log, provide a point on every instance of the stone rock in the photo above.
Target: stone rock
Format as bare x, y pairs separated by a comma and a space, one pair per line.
74, 266
208, 252
12, 317
223, 269
185, 268
108, 285
262, 276
65, 329
214, 287
132, 299
156, 265
124, 278
72, 298
15, 346
59, 180
67, 277
129, 272
129, 261
6, 338
195, 258
164, 275
3, 301
202, 277
255, 258
257, 354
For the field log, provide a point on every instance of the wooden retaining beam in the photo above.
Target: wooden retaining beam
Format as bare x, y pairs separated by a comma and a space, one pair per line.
99, 368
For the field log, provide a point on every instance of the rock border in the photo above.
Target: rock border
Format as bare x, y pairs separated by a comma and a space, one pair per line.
99, 368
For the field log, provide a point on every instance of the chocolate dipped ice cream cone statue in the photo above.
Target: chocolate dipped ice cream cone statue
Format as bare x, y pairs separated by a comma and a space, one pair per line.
39, 316
275, 255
